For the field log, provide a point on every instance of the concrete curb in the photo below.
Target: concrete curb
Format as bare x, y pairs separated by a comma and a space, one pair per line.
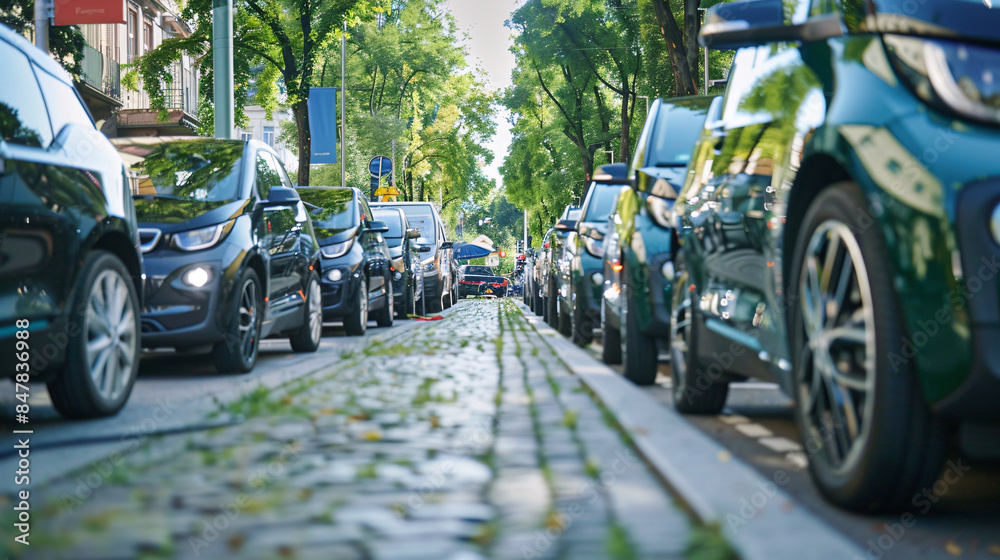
756, 516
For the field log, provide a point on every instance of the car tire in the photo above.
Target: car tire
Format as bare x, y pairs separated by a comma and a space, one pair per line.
639, 352
356, 322
695, 389
551, 306
583, 326
407, 300
611, 340
435, 303
383, 317
310, 334
539, 307
76, 392
879, 459
237, 351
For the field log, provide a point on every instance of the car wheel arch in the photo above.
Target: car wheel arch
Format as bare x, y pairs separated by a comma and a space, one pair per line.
118, 244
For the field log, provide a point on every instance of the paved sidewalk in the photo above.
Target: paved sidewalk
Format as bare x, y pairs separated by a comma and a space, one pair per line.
466, 438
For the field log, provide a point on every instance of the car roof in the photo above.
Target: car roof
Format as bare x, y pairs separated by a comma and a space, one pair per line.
39, 57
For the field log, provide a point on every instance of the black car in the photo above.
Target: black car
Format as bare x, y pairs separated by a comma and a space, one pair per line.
229, 249
557, 262
406, 268
70, 269
476, 280
440, 275
357, 279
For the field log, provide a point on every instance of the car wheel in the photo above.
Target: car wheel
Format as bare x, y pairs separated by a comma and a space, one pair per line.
696, 390
583, 327
308, 337
564, 323
434, 302
611, 339
383, 317
407, 300
539, 306
872, 439
356, 322
237, 351
551, 306
102, 353
639, 352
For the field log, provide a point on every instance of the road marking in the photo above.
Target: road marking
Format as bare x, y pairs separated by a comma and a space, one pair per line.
734, 419
780, 444
754, 430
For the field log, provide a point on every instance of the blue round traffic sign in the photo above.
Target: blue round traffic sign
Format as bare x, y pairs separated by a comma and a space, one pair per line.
380, 166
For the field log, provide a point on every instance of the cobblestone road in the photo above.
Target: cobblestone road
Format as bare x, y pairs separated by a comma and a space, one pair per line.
467, 439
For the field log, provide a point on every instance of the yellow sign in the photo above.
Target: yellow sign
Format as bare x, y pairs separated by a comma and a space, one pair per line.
387, 191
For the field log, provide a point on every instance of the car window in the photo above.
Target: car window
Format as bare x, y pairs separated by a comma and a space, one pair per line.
421, 219
23, 118
285, 181
479, 271
267, 175
203, 170
391, 219
676, 133
741, 81
64, 104
602, 199
335, 209
366, 210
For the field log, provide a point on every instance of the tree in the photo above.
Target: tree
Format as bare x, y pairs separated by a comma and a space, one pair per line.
285, 36
65, 41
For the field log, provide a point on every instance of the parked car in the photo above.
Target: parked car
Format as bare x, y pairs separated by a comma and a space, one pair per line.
70, 268
540, 276
477, 280
584, 279
356, 273
638, 258
229, 249
440, 278
528, 292
833, 238
406, 268
558, 262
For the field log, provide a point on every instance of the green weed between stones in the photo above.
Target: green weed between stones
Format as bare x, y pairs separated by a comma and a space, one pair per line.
620, 547
708, 543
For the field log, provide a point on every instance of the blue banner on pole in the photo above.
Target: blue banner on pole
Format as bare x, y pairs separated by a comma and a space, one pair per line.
323, 124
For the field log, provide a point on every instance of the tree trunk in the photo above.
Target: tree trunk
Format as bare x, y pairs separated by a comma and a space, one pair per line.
692, 24
683, 81
301, 112
626, 128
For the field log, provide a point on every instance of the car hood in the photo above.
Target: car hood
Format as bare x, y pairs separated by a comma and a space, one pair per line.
956, 19
170, 215
327, 236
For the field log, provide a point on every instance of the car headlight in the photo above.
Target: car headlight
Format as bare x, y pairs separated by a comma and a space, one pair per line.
954, 75
198, 239
337, 249
594, 246
430, 267
661, 210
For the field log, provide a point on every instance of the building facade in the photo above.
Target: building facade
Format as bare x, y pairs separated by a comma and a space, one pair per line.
121, 112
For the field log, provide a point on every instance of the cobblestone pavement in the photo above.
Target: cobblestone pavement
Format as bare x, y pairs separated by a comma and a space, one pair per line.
466, 439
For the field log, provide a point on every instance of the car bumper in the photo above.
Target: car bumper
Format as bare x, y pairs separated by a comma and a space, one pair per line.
175, 314
465, 290
586, 287
340, 297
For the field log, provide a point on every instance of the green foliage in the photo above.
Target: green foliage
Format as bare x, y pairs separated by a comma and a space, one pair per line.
65, 41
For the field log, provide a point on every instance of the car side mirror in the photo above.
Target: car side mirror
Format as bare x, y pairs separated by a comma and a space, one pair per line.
424, 249
377, 226
282, 196
447, 244
566, 225
413, 233
748, 23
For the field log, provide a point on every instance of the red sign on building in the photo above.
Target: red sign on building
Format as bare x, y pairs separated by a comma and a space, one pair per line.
76, 12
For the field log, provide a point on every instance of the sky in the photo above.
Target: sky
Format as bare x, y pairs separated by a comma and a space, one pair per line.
489, 48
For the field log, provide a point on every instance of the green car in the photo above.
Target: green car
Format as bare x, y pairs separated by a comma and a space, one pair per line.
638, 251
840, 234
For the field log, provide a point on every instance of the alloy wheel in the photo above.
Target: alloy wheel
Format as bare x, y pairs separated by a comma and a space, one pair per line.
315, 311
680, 337
248, 319
837, 366
111, 335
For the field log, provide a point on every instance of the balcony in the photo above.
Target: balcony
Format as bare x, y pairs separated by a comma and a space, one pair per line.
101, 73
181, 104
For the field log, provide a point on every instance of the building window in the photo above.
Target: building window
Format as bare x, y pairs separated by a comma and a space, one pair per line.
148, 35
133, 35
246, 136
269, 135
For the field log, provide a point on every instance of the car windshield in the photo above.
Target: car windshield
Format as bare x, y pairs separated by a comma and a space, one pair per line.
201, 170
676, 133
335, 208
602, 200
422, 219
479, 271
